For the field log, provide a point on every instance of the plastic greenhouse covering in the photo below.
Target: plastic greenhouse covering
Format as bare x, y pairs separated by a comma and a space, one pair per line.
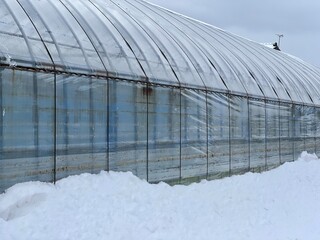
125, 85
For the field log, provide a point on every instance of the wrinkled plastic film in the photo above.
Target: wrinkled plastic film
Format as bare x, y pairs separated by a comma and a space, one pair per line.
170, 45
128, 128
317, 121
164, 126
81, 126
272, 134
309, 122
19, 42
257, 135
218, 136
239, 135
298, 130
286, 132
193, 135
146, 51
27, 140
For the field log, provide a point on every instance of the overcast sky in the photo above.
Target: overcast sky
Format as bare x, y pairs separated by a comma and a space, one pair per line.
260, 21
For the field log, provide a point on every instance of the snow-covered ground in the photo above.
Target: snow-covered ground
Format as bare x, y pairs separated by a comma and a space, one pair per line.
280, 204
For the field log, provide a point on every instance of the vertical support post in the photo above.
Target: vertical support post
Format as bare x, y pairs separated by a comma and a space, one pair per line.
249, 136
2, 113
315, 128
91, 123
293, 129
230, 160
279, 132
108, 126
35, 115
265, 135
304, 127
180, 150
148, 85
55, 128
207, 131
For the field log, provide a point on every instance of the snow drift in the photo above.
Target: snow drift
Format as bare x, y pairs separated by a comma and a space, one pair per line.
280, 204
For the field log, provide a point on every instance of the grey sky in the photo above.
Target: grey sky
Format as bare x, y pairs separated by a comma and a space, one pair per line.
260, 21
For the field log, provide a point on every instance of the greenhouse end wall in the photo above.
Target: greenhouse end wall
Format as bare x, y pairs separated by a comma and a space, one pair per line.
53, 126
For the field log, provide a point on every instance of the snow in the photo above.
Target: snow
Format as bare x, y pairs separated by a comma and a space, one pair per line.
280, 204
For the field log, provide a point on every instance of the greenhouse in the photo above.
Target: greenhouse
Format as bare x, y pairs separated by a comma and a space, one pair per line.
125, 85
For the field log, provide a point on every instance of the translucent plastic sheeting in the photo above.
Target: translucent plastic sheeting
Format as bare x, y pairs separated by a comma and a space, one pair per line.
229, 54
26, 125
298, 86
205, 74
312, 75
169, 45
239, 135
164, 132
110, 45
298, 130
286, 133
65, 39
258, 67
20, 44
53, 126
272, 134
146, 51
309, 123
193, 135
317, 125
81, 126
136, 40
267, 65
262, 65
305, 74
293, 87
257, 121
308, 78
218, 136
128, 128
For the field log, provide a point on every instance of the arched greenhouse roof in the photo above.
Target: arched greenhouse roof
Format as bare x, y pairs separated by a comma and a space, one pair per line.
136, 40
